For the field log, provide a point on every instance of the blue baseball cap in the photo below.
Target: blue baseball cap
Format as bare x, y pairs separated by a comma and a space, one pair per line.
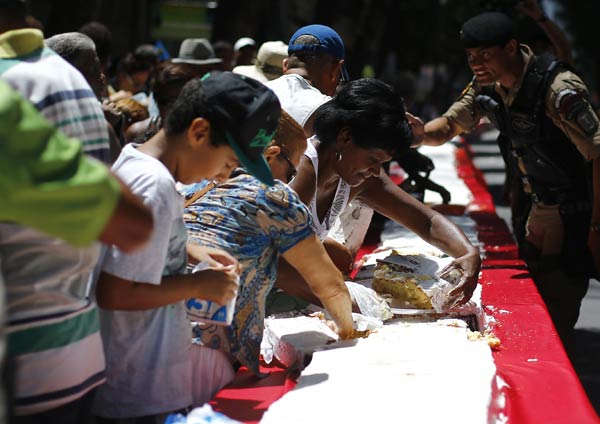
329, 42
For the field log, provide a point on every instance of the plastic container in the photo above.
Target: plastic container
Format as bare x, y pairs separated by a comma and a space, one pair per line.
208, 311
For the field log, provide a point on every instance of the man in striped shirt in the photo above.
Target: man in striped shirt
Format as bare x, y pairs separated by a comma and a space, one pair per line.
57, 89
53, 331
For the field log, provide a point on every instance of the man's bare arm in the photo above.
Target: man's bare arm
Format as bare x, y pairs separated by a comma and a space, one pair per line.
440, 130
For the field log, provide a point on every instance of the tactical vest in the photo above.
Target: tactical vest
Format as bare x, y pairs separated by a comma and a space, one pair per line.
555, 170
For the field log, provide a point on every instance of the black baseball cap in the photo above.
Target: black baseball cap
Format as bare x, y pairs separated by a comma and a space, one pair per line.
488, 29
247, 113
328, 41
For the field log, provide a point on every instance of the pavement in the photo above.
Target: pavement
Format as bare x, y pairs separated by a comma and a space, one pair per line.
586, 352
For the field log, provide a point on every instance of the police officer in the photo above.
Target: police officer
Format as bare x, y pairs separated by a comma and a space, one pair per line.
541, 108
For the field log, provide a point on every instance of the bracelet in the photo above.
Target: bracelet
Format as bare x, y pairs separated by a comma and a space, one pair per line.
542, 18
595, 226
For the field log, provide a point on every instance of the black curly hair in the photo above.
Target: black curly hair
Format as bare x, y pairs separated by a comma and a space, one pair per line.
373, 113
192, 104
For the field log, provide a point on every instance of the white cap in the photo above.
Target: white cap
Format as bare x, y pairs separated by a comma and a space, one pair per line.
268, 64
243, 42
250, 71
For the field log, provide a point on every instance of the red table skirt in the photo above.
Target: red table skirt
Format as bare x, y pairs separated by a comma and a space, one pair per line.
541, 385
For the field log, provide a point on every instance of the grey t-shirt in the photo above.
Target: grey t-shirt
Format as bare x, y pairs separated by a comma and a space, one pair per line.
147, 352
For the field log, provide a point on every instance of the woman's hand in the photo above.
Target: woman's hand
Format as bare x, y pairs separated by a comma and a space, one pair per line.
469, 266
213, 257
346, 331
111, 113
324, 280
119, 95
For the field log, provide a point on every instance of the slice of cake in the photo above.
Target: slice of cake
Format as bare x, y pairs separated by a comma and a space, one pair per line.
414, 280
402, 285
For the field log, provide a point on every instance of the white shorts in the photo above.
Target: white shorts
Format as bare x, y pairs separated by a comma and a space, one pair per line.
211, 371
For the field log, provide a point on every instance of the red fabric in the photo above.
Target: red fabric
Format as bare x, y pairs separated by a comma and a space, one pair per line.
542, 385
248, 397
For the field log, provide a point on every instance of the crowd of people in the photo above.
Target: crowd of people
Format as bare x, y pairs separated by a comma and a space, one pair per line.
239, 159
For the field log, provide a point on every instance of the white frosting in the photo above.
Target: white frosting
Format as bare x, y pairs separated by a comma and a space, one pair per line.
393, 376
413, 372
290, 339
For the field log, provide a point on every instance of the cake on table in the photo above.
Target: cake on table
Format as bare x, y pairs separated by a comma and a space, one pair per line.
413, 281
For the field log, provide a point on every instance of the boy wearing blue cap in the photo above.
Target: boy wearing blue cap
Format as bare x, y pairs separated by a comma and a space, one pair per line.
215, 124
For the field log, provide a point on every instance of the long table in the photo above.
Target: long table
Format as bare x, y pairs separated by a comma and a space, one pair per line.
540, 385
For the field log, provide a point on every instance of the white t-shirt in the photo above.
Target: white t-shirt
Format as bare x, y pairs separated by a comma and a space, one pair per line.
147, 352
297, 97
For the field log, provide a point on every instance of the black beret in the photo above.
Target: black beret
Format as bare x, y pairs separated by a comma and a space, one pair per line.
487, 30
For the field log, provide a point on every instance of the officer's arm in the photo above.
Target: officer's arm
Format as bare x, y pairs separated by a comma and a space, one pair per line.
571, 111
461, 117
439, 131
568, 105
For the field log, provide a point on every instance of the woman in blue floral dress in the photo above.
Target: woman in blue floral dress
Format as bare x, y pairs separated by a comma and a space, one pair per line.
257, 224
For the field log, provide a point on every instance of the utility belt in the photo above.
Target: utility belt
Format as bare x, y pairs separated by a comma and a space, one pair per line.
565, 207
551, 197
539, 195
547, 198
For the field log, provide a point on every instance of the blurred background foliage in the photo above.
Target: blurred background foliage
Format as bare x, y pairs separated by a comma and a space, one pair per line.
381, 36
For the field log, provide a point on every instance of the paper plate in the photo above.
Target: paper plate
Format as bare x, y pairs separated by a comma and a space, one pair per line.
402, 311
399, 307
